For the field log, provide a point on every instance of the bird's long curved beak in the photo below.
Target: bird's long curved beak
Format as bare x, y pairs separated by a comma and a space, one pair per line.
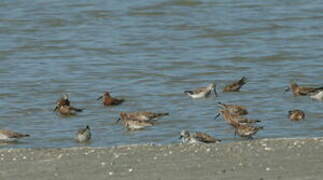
99, 98
216, 117
56, 107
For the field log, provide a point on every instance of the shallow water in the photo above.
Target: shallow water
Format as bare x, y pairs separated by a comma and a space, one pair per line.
149, 52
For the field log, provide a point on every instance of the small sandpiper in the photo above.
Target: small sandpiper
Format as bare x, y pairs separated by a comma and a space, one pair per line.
63, 101
83, 134
234, 119
296, 115
318, 96
10, 136
235, 86
234, 109
197, 137
302, 90
63, 106
132, 124
202, 91
110, 101
141, 116
244, 130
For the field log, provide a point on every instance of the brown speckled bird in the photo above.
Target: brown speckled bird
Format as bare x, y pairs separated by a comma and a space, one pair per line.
9, 136
234, 119
197, 137
302, 90
63, 106
141, 116
235, 86
132, 124
107, 100
244, 130
296, 115
234, 109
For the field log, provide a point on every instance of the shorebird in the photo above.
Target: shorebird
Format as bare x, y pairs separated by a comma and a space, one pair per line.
132, 124
296, 115
83, 134
235, 86
244, 130
302, 90
68, 110
110, 101
63, 106
202, 91
318, 96
141, 116
10, 136
63, 101
234, 119
197, 137
234, 109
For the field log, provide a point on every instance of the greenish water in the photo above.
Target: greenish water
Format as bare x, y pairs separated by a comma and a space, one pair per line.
149, 52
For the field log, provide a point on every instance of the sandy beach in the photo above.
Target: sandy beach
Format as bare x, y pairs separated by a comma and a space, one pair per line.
258, 159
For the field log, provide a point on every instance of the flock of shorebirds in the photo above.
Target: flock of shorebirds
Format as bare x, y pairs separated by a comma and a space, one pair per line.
233, 114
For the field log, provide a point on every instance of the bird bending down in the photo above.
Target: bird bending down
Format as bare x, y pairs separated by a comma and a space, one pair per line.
235, 86
197, 137
10, 136
244, 130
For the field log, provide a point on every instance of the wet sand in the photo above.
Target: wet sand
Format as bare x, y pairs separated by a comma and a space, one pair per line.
258, 159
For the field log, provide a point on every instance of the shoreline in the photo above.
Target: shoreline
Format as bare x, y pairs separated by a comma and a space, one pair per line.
281, 158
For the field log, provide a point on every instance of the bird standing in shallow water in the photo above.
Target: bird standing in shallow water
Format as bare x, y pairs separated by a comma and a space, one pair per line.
234, 119
244, 130
296, 115
107, 100
197, 137
141, 116
132, 124
10, 136
202, 91
302, 90
139, 120
235, 86
83, 134
63, 106
234, 109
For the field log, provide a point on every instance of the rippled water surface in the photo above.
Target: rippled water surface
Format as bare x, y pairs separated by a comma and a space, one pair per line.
149, 52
